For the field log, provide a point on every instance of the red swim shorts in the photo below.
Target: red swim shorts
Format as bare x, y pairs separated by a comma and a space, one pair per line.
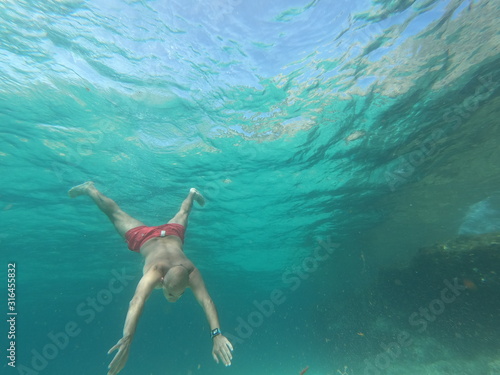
138, 236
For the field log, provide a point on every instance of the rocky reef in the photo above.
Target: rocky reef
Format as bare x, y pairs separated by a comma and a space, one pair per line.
449, 294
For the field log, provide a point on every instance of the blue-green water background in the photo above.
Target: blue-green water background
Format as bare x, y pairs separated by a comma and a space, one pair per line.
372, 125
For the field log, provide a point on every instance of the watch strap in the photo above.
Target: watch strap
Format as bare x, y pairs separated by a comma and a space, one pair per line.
215, 332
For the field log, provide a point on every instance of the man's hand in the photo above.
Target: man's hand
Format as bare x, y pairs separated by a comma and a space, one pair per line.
118, 363
222, 349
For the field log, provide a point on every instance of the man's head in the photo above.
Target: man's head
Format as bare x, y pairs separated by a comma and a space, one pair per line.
175, 283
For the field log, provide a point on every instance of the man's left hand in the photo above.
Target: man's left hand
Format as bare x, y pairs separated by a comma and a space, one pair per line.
222, 349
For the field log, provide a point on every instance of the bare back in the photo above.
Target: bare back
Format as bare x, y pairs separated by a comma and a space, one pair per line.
164, 253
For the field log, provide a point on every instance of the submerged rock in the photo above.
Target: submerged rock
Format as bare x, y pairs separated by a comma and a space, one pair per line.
450, 292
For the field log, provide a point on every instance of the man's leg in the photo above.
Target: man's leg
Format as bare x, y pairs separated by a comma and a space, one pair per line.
181, 217
121, 220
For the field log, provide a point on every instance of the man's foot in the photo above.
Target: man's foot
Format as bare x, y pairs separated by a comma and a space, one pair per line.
82, 189
197, 196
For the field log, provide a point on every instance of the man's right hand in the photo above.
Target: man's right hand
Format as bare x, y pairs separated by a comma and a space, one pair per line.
118, 363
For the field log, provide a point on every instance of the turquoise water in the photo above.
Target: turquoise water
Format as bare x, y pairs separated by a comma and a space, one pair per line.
331, 140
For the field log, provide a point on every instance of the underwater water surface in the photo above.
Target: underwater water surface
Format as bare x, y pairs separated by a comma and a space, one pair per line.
347, 150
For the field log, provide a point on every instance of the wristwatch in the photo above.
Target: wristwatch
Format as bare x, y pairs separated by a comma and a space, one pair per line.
215, 332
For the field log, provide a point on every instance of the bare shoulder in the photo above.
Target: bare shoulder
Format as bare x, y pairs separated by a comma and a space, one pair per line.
153, 274
195, 273
195, 278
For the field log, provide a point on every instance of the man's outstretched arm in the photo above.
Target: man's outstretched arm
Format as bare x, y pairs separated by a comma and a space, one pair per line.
142, 292
222, 348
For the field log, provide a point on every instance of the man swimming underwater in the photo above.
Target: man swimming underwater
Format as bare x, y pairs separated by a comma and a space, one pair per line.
165, 267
